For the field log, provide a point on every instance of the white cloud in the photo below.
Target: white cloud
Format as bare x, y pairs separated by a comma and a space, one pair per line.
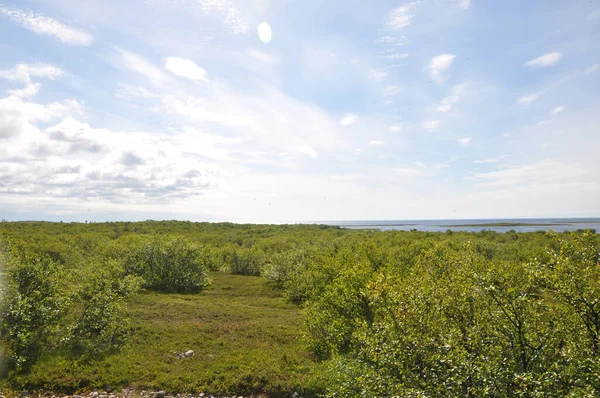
543, 172
464, 4
226, 10
348, 119
47, 26
391, 91
396, 128
263, 56
376, 143
382, 156
142, 66
430, 124
394, 40
185, 68
492, 160
544, 61
529, 98
448, 102
438, 65
23, 72
395, 56
378, 74
129, 91
466, 141
28, 91
305, 150
401, 17
406, 170
557, 110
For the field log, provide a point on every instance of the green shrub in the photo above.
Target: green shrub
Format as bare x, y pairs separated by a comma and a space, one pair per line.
168, 264
32, 307
101, 325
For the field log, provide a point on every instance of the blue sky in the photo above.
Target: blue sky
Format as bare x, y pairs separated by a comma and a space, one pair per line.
337, 110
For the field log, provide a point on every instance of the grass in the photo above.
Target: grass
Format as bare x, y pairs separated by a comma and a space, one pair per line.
245, 337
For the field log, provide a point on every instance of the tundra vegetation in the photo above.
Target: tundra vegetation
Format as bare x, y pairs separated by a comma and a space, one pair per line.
313, 309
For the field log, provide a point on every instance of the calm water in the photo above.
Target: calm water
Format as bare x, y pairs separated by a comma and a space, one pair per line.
541, 224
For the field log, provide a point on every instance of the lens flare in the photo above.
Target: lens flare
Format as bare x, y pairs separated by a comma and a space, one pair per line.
264, 32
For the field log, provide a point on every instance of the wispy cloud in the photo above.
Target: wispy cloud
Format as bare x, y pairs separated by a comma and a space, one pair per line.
129, 91
401, 17
455, 94
438, 65
543, 172
466, 141
348, 119
529, 98
185, 68
492, 160
464, 4
557, 110
226, 10
391, 91
430, 124
406, 170
378, 74
43, 25
376, 143
544, 61
142, 66
263, 56
394, 40
395, 56
591, 69
23, 73
396, 128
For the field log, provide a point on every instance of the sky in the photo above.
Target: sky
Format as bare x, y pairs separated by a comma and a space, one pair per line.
299, 110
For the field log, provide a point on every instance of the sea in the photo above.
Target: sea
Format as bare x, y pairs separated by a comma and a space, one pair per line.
498, 225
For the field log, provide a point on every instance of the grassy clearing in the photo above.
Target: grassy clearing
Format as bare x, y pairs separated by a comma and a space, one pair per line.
245, 336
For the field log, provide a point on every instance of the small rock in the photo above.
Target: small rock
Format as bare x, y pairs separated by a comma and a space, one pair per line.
24, 393
160, 394
295, 395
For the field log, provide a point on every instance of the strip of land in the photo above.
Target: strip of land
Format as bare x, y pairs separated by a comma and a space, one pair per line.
502, 224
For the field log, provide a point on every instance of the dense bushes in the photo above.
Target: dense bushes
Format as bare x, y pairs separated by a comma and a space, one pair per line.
100, 325
45, 309
32, 307
166, 264
410, 314
459, 325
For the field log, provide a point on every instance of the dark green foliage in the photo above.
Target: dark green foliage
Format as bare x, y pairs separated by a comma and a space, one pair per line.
459, 325
100, 325
167, 264
32, 307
